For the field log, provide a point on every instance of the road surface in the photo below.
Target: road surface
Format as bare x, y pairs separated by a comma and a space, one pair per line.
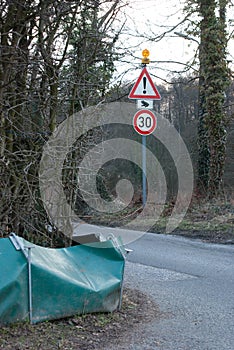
193, 285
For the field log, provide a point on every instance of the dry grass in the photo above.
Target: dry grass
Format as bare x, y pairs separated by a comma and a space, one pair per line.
85, 332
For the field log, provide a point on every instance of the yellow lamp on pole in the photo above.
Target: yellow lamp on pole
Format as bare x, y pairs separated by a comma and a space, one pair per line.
145, 55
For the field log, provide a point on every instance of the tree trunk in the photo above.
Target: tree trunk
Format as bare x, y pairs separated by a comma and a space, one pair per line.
213, 82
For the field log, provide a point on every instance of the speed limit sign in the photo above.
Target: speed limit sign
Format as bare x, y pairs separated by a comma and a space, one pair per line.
144, 122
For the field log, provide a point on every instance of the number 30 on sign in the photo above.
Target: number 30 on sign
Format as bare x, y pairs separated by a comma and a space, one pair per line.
144, 122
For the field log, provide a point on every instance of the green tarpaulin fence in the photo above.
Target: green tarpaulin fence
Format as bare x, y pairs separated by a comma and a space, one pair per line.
40, 284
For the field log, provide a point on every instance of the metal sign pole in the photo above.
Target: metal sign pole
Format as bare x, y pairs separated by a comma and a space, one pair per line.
144, 121
144, 175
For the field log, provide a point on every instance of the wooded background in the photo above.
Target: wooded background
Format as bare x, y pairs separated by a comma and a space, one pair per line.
58, 57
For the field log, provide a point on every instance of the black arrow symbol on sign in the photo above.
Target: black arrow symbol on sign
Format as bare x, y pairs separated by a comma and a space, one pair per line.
144, 104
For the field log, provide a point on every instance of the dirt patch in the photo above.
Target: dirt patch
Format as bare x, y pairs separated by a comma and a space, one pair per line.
86, 332
208, 236
211, 222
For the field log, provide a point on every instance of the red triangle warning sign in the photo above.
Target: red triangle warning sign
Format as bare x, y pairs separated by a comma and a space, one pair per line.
144, 88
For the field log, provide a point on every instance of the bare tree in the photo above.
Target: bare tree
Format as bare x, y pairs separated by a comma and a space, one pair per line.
36, 38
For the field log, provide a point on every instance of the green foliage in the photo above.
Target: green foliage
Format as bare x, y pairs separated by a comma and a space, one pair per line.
214, 80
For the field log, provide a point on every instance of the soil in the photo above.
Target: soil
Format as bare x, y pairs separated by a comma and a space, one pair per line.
210, 222
208, 236
85, 332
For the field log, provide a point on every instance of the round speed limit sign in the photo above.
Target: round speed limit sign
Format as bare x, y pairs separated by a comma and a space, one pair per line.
144, 122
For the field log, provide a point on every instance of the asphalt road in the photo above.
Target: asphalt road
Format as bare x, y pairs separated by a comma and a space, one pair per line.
193, 285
